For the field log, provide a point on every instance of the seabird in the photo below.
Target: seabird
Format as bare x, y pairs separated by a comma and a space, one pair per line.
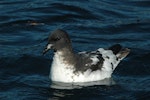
71, 67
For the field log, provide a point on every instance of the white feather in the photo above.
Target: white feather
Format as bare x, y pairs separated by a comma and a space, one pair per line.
94, 59
63, 72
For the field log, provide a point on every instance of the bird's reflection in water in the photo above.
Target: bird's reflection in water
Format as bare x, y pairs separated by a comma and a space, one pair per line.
69, 91
60, 85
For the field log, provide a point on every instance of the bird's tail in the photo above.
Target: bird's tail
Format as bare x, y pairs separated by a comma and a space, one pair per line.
119, 51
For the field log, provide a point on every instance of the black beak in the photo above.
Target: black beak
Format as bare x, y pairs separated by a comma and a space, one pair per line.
45, 51
48, 47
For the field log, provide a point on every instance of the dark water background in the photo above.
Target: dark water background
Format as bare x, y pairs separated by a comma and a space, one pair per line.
25, 26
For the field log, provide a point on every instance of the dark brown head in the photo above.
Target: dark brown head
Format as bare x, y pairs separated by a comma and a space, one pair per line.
58, 40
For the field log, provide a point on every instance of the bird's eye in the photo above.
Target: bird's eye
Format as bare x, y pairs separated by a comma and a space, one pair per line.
56, 39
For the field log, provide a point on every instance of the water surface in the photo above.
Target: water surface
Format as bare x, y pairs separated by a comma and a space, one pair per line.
25, 26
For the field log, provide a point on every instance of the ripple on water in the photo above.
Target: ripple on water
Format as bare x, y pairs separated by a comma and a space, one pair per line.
25, 26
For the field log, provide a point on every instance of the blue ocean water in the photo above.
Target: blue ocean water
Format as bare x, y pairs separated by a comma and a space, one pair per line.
24, 29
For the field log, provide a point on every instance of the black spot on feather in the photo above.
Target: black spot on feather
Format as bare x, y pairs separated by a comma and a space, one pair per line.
99, 65
116, 48
112, 65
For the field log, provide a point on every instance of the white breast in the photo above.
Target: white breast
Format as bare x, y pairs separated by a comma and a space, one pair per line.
63, 72
60, 70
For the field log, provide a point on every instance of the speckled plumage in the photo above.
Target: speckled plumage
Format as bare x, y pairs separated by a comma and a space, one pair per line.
84, 66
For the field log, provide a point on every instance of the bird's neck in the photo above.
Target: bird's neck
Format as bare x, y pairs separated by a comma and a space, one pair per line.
66, 55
